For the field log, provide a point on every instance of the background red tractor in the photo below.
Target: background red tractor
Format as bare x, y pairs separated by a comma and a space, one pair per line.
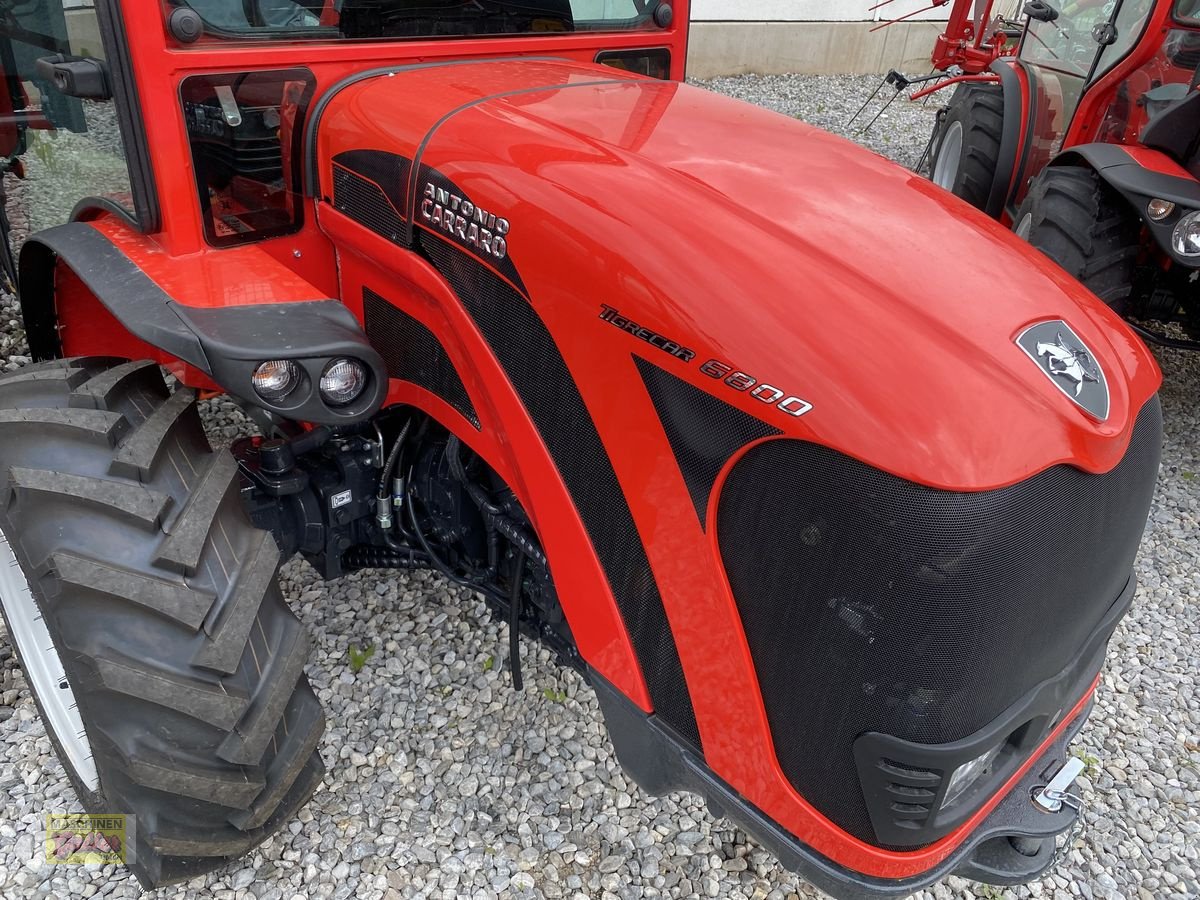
1080, 129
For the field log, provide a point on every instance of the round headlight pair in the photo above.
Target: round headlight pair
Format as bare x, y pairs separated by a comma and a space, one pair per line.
342, 382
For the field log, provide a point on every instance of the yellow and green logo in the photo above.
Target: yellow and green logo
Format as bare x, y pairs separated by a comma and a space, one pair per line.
75, 839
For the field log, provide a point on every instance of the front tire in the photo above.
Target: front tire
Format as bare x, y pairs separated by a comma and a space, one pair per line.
1073, 217
167, 632
967, 153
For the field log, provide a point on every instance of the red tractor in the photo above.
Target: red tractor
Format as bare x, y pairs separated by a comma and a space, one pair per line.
641, 364
1082, 131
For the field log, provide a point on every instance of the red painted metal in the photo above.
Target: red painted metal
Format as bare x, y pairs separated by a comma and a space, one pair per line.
983, 78
967, 41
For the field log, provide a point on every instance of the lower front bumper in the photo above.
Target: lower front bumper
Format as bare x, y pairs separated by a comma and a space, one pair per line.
660, 762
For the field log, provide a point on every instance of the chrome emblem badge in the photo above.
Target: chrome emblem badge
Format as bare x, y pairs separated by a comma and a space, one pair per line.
1068, 363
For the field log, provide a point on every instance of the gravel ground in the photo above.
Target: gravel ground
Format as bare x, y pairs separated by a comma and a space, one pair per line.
443, 784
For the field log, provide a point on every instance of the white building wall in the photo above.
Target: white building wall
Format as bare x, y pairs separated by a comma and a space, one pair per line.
731, 37
810, 10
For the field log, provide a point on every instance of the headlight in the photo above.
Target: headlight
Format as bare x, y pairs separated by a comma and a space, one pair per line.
967, 774
343, 381
275, 379
1186, 239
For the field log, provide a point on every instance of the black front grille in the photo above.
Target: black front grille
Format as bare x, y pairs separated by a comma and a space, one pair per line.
413, 353
529, 356
873, 604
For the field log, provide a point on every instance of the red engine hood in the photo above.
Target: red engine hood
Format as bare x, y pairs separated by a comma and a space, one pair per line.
784, 252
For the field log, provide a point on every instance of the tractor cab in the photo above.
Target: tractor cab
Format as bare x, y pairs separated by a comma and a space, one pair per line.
1083, 135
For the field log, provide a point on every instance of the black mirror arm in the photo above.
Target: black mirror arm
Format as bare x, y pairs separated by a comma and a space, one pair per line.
75, 76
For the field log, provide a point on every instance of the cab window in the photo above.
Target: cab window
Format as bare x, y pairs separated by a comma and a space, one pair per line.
399, 19
56, 149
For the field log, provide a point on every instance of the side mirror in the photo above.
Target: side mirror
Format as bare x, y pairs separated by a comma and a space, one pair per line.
75, 76
1040, 11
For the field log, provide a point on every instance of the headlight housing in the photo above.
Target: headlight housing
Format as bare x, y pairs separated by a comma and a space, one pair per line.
343, 381
1185, 239
275, 379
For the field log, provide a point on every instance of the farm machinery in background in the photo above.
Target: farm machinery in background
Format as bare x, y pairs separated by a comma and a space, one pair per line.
1080, 128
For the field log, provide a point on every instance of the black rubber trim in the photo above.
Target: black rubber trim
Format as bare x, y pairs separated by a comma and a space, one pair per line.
124, 289
417, 162
660, 762
225, 343
311, 173
1138, 186
103, 205
129, 116
1022, 164
1134, 181
1010, 139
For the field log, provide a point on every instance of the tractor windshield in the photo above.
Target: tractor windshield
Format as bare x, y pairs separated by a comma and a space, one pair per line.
1085, 38
398, 19
1063, 35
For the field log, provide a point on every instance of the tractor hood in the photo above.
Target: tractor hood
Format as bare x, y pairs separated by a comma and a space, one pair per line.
810, 283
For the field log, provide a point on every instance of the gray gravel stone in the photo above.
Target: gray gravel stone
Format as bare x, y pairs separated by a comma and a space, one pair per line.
444, 784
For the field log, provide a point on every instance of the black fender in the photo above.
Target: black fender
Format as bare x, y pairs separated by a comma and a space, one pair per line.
1138, 185
1010, 139
226, 343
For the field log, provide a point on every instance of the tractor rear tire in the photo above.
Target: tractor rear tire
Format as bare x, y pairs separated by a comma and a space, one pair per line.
1073, 217
147, 616
967, 152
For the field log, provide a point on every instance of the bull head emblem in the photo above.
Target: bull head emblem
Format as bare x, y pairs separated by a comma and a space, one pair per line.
1068, 362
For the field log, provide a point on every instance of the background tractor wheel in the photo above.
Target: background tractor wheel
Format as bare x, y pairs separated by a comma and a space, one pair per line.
145, 611
1076, 220
967, 151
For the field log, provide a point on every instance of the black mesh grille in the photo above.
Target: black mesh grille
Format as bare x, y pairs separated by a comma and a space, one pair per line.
371, 187
704, 431
874, 604
528, 354
413, 353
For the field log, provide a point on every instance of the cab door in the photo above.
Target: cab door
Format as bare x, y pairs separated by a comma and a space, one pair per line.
55, 149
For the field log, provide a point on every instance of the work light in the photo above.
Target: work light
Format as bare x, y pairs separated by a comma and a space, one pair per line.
343, 381
275, 379
1186, 238
967, 774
